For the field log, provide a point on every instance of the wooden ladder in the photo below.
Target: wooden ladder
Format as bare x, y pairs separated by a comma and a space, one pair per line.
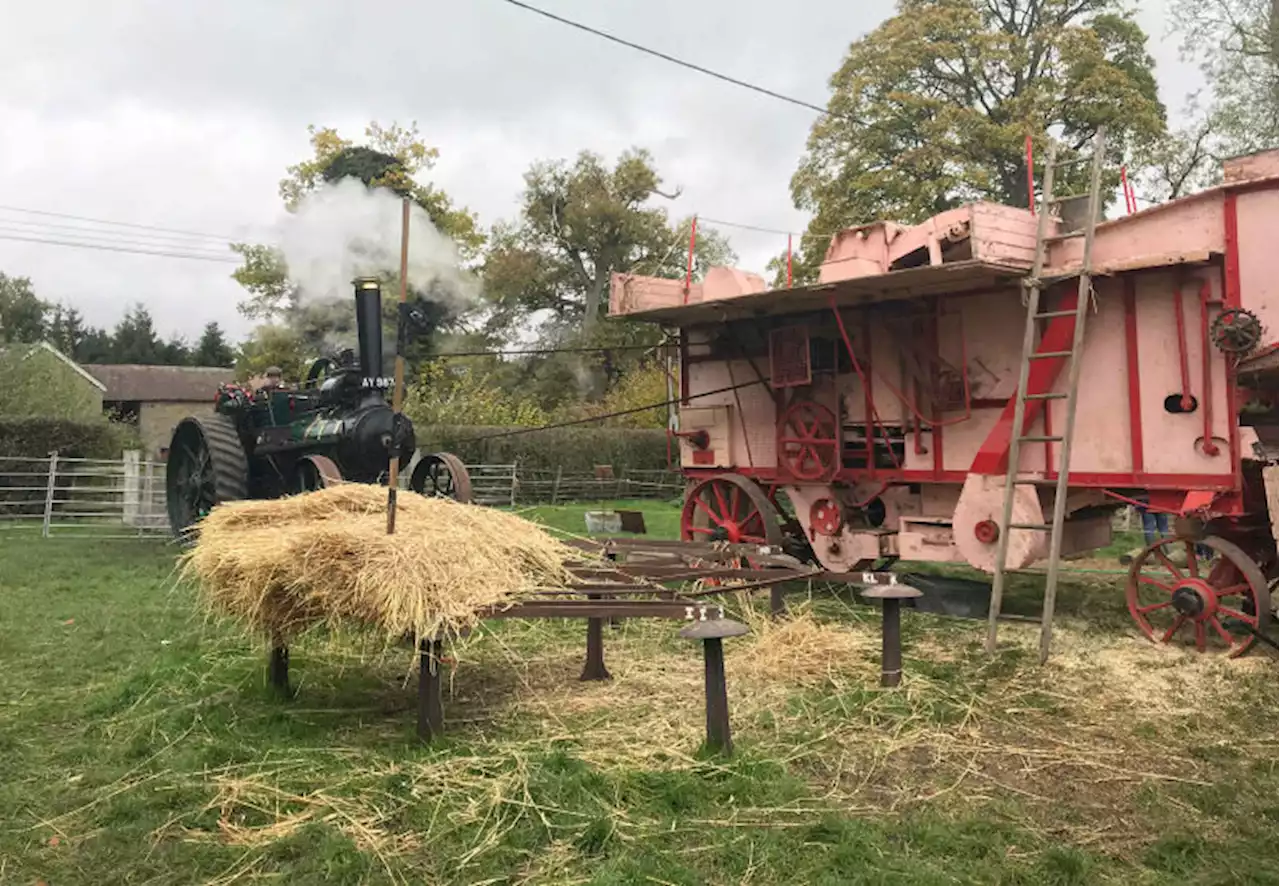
1032, 351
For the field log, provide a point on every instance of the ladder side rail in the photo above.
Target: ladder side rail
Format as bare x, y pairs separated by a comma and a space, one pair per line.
1073, 385
1020, 402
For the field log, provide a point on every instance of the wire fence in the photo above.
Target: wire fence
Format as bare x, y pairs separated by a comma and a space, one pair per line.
125, 498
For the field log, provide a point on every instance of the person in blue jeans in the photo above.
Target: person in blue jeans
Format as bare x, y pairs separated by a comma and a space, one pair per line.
1155, 526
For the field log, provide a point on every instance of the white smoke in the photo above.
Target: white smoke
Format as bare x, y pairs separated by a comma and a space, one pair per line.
345, 230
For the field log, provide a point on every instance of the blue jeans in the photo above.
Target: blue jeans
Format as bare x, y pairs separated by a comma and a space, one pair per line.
1154, 526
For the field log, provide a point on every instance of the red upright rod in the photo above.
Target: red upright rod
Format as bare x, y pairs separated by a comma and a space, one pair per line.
1031, 176
688, 271
1130, 202
788, 261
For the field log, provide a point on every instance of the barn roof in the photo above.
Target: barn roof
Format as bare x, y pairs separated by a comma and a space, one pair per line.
160, 384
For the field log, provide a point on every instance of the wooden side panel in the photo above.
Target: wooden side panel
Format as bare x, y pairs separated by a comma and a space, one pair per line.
1003, 234
753, 442
1257, 230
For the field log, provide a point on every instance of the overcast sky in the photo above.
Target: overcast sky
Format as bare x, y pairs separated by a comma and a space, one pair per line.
185, 115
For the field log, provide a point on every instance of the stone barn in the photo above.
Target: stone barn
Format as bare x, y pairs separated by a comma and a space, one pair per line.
155, 398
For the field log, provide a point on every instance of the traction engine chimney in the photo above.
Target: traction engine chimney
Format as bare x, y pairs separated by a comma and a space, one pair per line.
369, 329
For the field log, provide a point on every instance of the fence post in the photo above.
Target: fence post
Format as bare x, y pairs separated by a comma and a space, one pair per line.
623, 483
132, 495
48, 494
555, 487
514, 468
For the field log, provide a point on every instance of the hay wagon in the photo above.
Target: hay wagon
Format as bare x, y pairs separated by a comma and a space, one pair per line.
871, 416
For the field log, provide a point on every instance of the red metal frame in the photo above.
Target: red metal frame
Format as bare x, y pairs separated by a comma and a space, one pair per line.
1206, 406
1231, 242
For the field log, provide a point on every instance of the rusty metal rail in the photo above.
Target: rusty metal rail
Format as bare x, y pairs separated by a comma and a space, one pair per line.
634, 578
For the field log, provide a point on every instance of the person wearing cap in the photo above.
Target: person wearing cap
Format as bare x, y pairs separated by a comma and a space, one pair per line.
274, 379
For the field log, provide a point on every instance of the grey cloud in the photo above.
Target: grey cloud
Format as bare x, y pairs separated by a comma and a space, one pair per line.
186, 114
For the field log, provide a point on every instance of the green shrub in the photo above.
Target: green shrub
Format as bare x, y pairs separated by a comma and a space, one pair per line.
572, 449
37, 437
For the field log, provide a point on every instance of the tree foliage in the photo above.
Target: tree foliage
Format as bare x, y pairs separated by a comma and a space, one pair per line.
579, 223
1235, 43
22, 313
469, 393
212, 349
932, 108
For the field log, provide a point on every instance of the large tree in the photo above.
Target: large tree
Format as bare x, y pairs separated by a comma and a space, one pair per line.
932, 108
1235, 44
579, 223
23, 315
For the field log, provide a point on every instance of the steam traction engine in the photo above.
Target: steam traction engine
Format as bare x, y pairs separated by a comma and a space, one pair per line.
336, 426
869, 417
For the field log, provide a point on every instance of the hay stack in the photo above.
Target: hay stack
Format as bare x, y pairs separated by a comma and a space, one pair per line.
325, 558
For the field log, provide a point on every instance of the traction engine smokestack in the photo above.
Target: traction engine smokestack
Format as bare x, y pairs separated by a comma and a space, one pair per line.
369, 328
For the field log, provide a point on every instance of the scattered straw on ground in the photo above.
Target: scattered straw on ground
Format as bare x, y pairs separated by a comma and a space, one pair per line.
325, 557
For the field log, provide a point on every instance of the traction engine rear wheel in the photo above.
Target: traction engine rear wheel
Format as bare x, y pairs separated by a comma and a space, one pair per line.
207, 466
441, 475
1207, 598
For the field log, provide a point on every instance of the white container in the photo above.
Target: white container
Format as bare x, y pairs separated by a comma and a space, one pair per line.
601, 522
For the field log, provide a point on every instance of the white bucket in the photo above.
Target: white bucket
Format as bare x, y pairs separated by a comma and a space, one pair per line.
601, 522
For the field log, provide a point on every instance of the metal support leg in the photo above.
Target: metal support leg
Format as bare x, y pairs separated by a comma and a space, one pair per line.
430, 706
278, 667
718, 738
593, 668
777, 601
890, 597
891, 644
712, 633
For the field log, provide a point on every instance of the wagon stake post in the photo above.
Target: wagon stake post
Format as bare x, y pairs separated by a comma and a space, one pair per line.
891, 597
712, 632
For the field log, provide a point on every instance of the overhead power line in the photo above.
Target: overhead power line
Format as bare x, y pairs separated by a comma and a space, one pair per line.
103, 221
98, 235
672, 59
121, 248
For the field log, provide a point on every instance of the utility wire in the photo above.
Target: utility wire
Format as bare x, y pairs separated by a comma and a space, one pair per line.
531, 351
107, 248
112, 239
103, 221
670, 58
29, 226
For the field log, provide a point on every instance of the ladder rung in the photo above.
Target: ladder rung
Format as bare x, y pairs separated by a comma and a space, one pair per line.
1052, 395
1069, 235
1037, 482
1045, 315
1039, 439
1076, 162
1046, 355
1043, 527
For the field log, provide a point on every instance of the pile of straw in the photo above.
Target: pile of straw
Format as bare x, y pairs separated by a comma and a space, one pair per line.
324, 558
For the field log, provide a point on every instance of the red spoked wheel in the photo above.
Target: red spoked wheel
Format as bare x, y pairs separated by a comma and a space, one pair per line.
809, 441
1211, 598
730, 508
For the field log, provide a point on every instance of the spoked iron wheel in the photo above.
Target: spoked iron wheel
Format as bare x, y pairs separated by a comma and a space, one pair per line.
730, 508
441, 475
315, 472
809, 441
1209, 599
207, 466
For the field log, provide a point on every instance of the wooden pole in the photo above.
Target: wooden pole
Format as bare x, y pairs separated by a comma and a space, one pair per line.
397, 393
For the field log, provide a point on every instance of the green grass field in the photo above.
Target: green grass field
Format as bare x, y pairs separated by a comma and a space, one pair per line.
138, 744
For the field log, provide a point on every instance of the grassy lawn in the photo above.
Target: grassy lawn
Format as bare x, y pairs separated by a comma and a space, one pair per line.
138, 744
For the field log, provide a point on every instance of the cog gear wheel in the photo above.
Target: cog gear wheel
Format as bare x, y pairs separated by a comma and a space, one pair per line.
1236, 331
